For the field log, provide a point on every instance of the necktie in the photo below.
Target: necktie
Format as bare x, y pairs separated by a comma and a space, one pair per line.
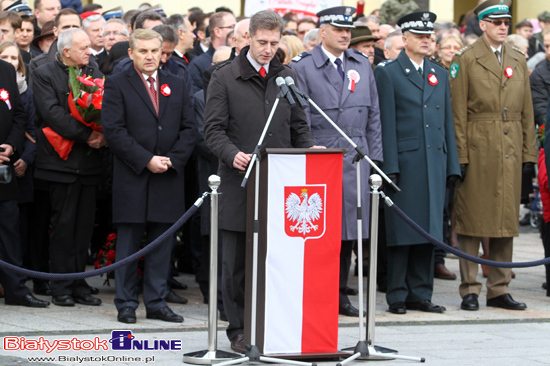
497, 53
420, 71
152, 89
262, 71
338, 63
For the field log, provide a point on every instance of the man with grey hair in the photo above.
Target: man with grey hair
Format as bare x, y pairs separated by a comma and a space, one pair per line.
93, 26
393, 45
149, 123
72, 178
241, 35
311, 39
231, 133
114, 31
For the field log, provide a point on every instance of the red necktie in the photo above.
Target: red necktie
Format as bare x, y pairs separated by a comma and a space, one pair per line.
262, 71
152, 89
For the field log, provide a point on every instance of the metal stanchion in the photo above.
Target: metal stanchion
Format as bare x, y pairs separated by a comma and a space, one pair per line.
212, 354
365, 349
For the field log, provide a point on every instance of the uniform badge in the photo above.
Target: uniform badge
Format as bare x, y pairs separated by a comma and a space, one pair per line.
454, 70
432, 79
407, 70
508, 72
5, 96
165, 90
354, 78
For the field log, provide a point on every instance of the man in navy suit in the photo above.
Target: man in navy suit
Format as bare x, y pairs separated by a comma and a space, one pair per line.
149, 124
420, 156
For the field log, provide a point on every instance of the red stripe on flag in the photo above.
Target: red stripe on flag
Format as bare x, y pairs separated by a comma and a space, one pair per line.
322, 260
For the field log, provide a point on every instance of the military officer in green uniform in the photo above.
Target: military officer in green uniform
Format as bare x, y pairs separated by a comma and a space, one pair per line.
493, 117
420, 154
392, 10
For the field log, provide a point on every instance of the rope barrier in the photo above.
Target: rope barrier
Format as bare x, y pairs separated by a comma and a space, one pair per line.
96, 272
455, 251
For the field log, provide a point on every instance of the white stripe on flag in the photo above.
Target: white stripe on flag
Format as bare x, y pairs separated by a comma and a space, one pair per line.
284, 261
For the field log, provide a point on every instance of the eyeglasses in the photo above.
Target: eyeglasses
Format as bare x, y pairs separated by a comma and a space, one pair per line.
228, 26
498, 23
114, 33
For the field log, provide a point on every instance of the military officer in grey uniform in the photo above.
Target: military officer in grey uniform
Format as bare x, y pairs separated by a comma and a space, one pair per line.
341, 82
420, 155
495, 135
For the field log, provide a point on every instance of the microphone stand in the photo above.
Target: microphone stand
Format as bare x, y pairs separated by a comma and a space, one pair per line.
252, 352
365, 348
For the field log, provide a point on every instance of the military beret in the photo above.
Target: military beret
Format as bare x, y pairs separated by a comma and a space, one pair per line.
421, 22
361, 33
493, 9
338, 16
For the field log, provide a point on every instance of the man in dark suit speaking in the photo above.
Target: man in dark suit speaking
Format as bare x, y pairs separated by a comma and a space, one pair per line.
149, 124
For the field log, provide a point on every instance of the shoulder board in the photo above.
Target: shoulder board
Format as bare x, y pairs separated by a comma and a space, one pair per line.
461, 51
520, 51
301, 56
359, 52
433, 63
386, 62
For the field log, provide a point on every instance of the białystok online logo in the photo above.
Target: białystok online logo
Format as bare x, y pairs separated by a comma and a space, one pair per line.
121, 340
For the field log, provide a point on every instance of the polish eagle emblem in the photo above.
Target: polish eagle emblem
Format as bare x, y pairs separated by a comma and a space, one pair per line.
303, 210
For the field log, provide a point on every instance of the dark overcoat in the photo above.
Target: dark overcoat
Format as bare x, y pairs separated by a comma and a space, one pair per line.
238, 104
135, 133
419, 144
356, 113
12, 122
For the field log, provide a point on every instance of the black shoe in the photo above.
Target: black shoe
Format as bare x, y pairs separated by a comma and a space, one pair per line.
87, 299
127, 315
42, 288
398, 308
351, 291
94, 290
63, 300
30, 301
223, 316
506, 302
469, 302
165, 314
176, 285
237, 343
174, 298
426, 306
349, 310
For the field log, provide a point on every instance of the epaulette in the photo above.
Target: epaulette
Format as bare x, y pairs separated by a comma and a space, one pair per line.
359, 52
433, 63
386, 62
520, 51
461, 51
301, 56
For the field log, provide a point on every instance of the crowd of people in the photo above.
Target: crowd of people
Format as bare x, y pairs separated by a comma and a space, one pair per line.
448, 112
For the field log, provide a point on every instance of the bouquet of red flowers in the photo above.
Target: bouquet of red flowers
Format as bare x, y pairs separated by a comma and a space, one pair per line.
107, 255
85, 101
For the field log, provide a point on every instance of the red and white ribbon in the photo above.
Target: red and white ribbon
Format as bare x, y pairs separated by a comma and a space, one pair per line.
5, 96
165, 90
508, 72
432, 79
354, 78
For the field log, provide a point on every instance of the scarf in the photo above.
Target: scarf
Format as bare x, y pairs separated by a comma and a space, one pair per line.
21, 83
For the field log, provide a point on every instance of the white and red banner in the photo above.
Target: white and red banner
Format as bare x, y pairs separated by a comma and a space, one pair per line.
303, 253
302, 8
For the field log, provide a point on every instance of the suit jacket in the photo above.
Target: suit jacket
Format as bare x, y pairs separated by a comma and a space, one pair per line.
495, 134
357, 113
419, 144
12, 122
238, 104
135, 133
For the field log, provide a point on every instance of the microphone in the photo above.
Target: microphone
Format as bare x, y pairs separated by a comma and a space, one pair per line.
284, 89
290, 83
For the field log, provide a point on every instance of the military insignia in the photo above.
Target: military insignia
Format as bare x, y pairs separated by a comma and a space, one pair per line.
454, 70
432, 69
348, 11
297, 58
425, 17
508, 72
407, 70
432, 79
354, 78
